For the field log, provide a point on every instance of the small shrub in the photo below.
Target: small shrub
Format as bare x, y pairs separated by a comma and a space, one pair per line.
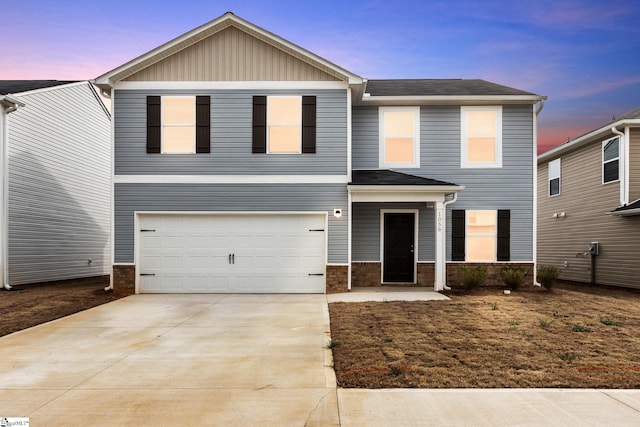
547, 275
388, 339
513, 275
609, 322
544, 324
568, 356
580, 328
332, 344
494, 306
473, 275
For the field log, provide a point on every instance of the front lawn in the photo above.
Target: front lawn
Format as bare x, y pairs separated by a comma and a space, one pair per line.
577, 337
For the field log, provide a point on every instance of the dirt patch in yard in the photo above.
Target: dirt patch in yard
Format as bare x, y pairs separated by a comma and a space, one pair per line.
573, 336
29, 305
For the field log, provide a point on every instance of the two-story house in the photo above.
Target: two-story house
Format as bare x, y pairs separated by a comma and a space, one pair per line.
245, 163
589, 205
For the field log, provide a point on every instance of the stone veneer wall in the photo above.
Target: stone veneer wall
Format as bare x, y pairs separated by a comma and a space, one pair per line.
337, 279
493, 278
369, 274
124, 280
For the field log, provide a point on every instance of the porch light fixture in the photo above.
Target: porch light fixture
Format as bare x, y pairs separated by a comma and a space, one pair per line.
337, 213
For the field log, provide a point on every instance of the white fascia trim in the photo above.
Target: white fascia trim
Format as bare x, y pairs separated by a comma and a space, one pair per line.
233, 85
454, 99
227, 213
51, 88
585, 139
124, 263
10, 101
337, 264
230, 179
425, 189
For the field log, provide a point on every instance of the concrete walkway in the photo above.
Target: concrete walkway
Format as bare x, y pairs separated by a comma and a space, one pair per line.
242, 360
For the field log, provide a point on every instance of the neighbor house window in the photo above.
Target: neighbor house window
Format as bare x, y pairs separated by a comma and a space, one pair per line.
284, 124
399, 137
610, 160
481, 137
178, 124
554, 177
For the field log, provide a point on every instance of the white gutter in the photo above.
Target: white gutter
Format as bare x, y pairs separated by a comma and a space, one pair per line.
534, 237
621, 164
444, 206
8, 104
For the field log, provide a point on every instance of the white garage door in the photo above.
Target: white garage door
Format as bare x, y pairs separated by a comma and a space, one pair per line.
252, 253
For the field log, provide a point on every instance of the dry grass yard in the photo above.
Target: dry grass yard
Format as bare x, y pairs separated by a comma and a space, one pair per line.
573, 336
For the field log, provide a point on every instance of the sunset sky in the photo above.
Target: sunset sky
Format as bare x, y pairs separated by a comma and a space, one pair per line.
583, 54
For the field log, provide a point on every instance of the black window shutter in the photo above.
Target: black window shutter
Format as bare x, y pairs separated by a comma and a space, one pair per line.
457, 235
203, 124
259, 124
308, 124
153, 124
504, 235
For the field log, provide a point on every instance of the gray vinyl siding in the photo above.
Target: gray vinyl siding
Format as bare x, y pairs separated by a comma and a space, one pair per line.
509, 187
366, 230
59, 186
231, 134
585, 201
131, 198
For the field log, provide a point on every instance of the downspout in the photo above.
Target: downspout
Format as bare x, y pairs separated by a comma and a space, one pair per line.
5, 189
444, 206
621, 166
534, 245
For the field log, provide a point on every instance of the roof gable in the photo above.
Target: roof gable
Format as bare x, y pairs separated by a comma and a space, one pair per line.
201, 51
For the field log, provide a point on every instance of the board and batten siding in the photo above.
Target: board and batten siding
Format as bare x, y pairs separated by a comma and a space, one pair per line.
509, 187
366, 231
59, 186
231, 133
131, 198
585, 202
634, 164
232, 55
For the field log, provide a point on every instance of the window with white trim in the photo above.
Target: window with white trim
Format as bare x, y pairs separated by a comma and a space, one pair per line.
481, 130
554, 177
179, 124
481, 236
399, 129
284, 124
611, 160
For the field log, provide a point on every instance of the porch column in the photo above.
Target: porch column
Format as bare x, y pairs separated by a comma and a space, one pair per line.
440, 267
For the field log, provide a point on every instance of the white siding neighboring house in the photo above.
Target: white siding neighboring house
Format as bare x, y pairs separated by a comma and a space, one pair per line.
56, 181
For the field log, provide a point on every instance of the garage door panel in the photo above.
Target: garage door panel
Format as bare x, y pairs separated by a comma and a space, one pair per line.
269, 253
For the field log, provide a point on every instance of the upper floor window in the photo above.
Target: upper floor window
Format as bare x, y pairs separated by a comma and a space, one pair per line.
554, 177
610, 160
399, 137
178, 124
481, 137
284, 124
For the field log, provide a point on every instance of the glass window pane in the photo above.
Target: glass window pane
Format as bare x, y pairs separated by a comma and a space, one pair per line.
285, 110
481, 123
284, 139
399, 123
178, 111
399, 150
179, 139
481, 150
554, 169
481, 249
611, 171
554, 187
611, 150
481, 222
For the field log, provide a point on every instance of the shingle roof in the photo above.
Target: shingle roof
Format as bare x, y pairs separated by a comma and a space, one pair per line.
389, 177
630, 207
439, 87
17, 86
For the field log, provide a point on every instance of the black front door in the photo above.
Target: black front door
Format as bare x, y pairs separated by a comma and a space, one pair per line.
399, 244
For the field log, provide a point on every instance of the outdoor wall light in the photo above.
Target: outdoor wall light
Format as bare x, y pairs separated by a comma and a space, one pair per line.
555, 215
337, 213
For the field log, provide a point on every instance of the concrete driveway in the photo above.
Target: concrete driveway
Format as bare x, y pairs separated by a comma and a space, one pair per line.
175, 360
